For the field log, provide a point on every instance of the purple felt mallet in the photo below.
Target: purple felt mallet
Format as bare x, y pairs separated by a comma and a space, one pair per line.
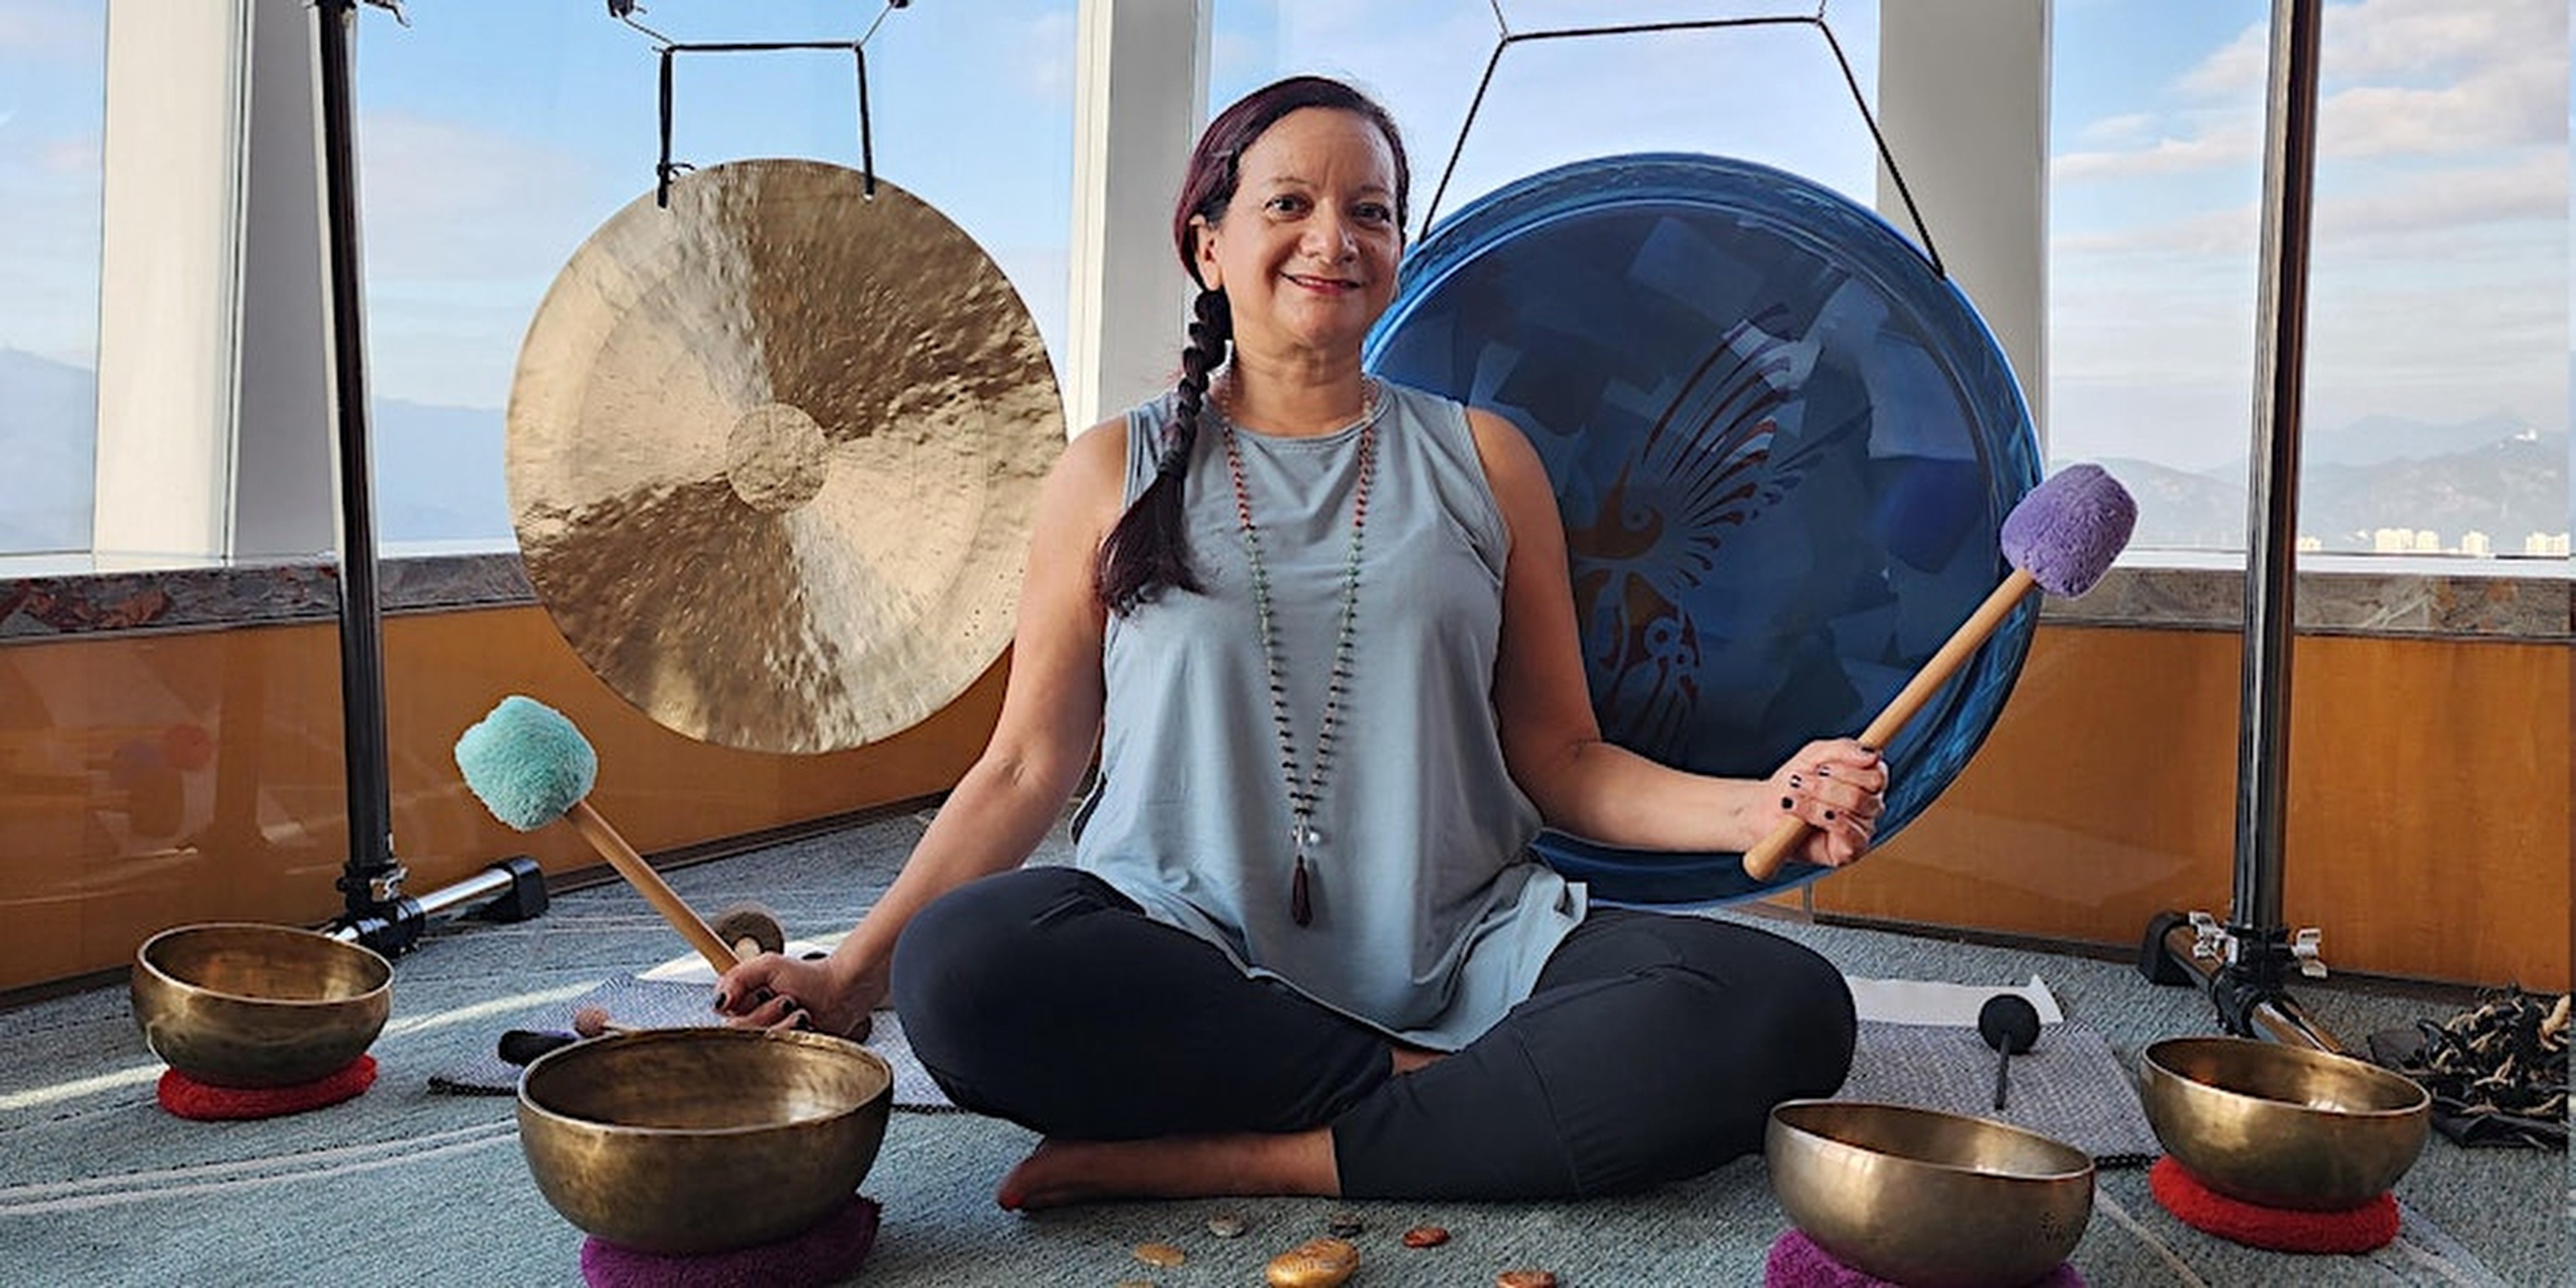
2061, 538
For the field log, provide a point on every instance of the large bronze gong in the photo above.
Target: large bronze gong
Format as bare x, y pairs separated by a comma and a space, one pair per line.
772, 455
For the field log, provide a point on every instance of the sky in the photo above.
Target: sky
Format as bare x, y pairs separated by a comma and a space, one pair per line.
496, 134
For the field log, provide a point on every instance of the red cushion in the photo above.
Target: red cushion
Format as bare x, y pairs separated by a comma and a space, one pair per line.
2361, 1229
189, 1098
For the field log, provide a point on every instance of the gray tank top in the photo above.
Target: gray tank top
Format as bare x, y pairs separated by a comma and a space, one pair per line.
1431, 917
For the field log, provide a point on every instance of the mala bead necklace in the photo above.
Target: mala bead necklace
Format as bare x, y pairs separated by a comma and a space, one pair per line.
1306, 787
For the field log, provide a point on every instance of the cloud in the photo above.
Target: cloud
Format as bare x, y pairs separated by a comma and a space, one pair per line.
2451, 200
2523, 102
2236, 69
2443, 38
52, 29
2127, 127
2429, 213
2403, 78
1040, 48
2235, 143
451, 202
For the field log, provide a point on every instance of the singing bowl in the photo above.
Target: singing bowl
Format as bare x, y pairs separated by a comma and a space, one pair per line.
1928, 1199
245, 1005
697, 1140
2281, 1126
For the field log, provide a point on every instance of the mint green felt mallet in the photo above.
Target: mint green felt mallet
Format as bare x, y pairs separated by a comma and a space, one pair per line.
530, 766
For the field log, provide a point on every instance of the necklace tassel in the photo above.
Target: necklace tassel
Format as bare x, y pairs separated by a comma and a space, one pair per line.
1300, 910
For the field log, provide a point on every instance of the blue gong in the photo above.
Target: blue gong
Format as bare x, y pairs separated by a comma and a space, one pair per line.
1783, 447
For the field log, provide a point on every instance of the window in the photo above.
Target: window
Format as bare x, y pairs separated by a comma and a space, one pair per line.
495, 136
1766, 94
53, 96
2437, 366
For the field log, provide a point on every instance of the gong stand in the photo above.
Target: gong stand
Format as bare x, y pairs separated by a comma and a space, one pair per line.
664, 169
2246, 962
1505, 38
375, 910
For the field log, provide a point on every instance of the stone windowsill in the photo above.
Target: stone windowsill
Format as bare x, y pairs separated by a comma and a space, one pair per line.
54, 598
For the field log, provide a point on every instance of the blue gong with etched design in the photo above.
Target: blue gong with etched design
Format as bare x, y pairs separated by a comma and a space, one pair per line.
1783, 447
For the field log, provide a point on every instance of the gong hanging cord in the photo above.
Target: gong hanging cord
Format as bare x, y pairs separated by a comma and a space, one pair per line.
668, 49
1505, 38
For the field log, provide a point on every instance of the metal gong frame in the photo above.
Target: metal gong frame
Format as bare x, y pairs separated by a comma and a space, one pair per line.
375, 910
2246, 962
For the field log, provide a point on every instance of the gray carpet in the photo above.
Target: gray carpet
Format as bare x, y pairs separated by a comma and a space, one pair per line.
408, 1186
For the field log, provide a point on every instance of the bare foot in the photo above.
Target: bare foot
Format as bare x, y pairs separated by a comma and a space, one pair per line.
1061, 1173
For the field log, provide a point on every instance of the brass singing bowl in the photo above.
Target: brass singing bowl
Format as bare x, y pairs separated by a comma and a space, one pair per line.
1928, 1199
245, 1005
2282, 1126
695, 1140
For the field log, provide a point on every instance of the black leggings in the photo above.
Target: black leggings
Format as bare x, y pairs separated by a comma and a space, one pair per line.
1652, 1048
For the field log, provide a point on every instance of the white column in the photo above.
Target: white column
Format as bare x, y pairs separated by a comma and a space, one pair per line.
1963, 99
1139, 91
213, 428
284, 464
169, 277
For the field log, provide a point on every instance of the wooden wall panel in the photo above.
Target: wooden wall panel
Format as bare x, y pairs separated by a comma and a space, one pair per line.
151, 780
2427, 832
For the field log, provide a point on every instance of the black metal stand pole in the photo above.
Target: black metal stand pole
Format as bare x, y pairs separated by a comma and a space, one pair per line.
373, 878
375, 911
2246, 964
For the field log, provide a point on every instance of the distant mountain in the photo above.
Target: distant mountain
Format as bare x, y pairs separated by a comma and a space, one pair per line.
2506, 488
47, 411
2378, 440
438, 469
439, 473
2180, 509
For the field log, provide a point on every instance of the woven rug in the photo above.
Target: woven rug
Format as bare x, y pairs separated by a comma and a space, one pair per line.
1919, 1046
2069, 1087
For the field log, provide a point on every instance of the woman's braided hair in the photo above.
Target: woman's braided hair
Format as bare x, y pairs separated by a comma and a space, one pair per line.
1148, 551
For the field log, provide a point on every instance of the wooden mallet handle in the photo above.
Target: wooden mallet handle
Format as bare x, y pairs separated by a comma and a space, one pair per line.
649, 883
1764, 860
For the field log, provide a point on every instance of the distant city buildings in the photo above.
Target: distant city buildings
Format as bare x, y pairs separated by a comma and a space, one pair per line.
2425, 541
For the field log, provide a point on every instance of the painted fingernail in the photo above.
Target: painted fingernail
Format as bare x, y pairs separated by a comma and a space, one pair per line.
1870, 749
1829, 816
1784, 802
1795, 781
1824, 771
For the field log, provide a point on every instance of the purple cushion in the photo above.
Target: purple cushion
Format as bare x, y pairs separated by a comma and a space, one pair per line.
1796, 1262
826, 1254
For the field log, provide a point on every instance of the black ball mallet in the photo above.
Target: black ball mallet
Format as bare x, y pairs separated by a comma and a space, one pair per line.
2010, 1025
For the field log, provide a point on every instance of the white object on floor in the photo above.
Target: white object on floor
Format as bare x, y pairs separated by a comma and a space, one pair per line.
694, 969
1923, 1001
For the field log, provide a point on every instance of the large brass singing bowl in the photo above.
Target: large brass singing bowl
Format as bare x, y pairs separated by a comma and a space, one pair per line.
697, 1140
244, 1005
2282, 1126
1928, 1199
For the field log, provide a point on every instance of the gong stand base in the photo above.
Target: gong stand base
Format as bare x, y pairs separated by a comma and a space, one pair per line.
512, 890
2245, 971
